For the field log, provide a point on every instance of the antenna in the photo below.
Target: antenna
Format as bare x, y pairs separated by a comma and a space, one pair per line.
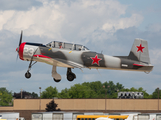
98, 72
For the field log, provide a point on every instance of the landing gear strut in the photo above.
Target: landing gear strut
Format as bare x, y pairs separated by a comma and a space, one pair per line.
70, 75
55, 75
28, 74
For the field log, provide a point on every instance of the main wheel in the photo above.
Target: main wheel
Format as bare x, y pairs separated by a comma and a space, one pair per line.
27, 75
56, 80
71, 76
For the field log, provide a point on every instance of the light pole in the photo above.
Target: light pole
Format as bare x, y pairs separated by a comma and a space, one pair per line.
21, 93
158, 98
105, 96
40, 99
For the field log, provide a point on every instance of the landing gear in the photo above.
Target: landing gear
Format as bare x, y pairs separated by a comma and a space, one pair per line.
55, 75
28, 75
70, 75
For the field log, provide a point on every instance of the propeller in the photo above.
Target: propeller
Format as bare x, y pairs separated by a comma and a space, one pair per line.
17, 58
20, 38
17, 49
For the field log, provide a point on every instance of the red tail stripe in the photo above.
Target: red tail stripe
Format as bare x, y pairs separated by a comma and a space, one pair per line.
137, 65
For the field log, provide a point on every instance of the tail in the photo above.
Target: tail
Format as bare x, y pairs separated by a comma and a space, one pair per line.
139, 51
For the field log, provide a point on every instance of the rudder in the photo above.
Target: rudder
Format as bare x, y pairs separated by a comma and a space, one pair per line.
139, 51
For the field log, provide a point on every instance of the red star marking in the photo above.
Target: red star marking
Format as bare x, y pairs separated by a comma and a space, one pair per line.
140, 48
95, 60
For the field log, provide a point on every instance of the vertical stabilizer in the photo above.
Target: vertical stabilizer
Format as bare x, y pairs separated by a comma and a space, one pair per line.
140, 51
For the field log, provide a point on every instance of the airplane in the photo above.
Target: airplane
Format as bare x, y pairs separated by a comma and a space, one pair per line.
69, 55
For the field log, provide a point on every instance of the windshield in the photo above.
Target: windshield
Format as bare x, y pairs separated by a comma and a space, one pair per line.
49, 44
86, 48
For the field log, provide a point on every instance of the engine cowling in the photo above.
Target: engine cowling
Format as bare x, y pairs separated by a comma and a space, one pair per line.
26, 51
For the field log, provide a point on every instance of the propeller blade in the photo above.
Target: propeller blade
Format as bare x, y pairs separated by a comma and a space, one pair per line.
17, 49
17, 58
21, 38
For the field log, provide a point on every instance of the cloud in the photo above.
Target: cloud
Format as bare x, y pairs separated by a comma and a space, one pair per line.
122, 23
69, 22
18, 4
5, 17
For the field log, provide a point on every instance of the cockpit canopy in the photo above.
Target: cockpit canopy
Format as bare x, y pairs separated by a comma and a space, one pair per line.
69, 46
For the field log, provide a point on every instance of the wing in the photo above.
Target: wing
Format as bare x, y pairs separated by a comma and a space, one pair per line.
57, 62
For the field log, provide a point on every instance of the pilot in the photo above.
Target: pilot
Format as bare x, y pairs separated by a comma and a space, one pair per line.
79, 48
60, 45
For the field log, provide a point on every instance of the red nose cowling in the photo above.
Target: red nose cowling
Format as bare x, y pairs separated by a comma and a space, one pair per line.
21, 48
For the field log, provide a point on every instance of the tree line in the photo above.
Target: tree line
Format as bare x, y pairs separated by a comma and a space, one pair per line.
95, 90
85, 90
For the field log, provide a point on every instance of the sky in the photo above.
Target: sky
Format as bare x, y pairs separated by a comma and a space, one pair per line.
109, 26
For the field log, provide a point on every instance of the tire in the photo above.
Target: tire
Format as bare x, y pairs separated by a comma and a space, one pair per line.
56, 80
27, 75
71, 77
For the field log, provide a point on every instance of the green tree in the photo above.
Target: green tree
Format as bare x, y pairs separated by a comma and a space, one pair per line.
155, 94
146, 95
25, 95
119, 87
80, 91
5, 97
92, 90
34, 95
112, 89
64, 94
96, 88
50, 92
